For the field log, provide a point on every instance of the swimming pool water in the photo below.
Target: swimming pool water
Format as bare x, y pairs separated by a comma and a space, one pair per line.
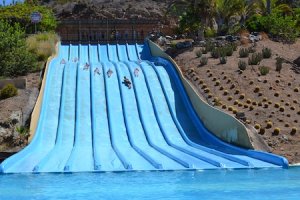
209, 184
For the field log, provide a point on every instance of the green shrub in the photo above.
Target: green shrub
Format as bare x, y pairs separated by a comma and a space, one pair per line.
20, 13
223, 60
227, 50
255, 59
198, 54
264, 70
203, 60
208, 33
22, 130
266, 52
216, 53
242, 65
244, 53
209, 46
42, 45
8, 91
15, 59
279, 62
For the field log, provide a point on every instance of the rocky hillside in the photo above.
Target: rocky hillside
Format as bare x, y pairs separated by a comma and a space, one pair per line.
102, 9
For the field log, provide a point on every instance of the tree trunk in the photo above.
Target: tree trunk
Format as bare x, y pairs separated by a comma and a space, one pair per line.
269, 6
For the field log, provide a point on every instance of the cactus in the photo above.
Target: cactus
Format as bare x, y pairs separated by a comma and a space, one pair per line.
255, 59
198, 54
293, 131
266, 52
269, 124
203, 61
281, 109
257, 126
279, 62
244, 53
242, 65
264, 70
276, 131
223, 60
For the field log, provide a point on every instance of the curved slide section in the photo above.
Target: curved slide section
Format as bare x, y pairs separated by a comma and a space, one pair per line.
90, 120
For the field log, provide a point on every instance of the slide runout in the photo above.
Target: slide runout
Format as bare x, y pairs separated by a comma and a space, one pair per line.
227, 161
105, 156
44, 138
132, 123
169, 161
113, 56
169, 130
217, 144
58, 156
117, 125
82, 158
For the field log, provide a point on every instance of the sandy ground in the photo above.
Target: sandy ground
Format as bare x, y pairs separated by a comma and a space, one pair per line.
271, 98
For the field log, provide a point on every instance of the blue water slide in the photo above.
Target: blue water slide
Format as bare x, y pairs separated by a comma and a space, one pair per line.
92, 121
45, 134
104, 155
254, 158
82, 156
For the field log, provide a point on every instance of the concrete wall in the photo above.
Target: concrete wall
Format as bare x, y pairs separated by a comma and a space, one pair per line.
37, 108
219, 123
19, 83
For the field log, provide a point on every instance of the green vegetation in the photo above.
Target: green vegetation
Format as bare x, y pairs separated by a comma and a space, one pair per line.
242, 65
264, 70
18, 54
20, 13
255, 59
266, 52
280, 19
279, 62
15, 59
8, 91
244, 53
203, 60
42, 45
23, 130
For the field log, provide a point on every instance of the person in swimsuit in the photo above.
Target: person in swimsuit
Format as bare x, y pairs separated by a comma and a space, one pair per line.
97, 71
86, 66
127, 82
136, 72
109, 73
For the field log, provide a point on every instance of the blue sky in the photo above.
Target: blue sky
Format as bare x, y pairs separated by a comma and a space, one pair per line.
7, 2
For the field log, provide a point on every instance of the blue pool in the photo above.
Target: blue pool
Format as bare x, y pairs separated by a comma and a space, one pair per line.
209, 184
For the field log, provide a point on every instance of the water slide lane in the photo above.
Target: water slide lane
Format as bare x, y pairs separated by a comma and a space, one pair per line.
104, 155
81, 158
45, 134
56, 159
117, 126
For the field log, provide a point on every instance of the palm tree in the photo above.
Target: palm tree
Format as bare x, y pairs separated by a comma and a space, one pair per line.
200, 12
